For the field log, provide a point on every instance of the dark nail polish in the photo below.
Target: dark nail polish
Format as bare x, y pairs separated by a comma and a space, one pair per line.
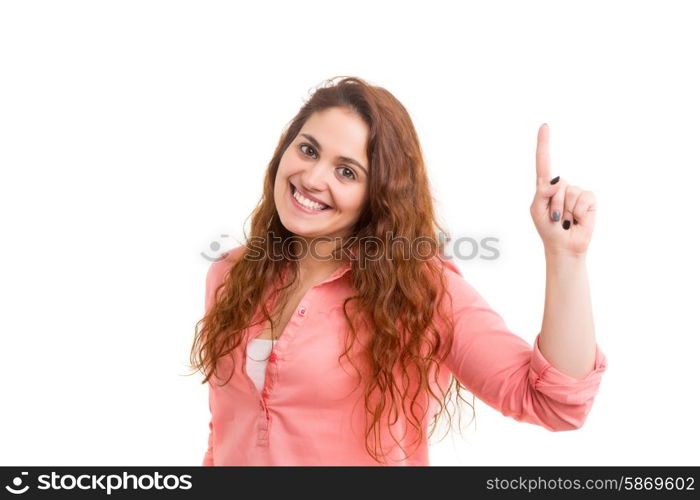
555, 180
575, 221
566, 224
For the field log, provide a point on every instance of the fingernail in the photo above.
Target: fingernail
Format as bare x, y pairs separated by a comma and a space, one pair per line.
556, 216
555, 180
575, 221
566, 224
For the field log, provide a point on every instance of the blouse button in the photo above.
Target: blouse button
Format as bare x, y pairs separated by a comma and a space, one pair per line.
302, 311
273, 357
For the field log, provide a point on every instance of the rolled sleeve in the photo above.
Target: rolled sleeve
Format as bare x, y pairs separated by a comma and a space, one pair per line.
562, 387
507, 373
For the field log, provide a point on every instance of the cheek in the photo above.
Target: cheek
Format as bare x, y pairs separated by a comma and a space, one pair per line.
282, 176
282, 170
289, 167
285, 162
279, 183
351, 200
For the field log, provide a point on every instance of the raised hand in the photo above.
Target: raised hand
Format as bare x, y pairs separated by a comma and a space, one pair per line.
564, 214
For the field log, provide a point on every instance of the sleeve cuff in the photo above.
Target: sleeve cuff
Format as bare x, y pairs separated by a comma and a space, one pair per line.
561, 387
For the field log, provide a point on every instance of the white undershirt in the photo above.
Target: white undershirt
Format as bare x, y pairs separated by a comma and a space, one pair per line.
258, 349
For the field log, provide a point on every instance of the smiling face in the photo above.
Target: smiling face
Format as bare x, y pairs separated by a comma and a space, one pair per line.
322, 181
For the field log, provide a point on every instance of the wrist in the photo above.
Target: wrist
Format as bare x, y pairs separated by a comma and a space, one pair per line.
564, 257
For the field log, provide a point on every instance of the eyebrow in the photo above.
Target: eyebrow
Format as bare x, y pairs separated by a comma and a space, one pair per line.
347, 159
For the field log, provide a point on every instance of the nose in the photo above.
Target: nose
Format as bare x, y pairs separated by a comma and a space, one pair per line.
314, 178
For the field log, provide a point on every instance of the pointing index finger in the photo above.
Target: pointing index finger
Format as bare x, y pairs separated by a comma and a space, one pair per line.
542, 154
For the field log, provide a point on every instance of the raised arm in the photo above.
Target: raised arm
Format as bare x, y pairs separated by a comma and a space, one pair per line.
554, 382
564, 216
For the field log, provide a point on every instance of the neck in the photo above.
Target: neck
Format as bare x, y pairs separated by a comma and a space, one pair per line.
318, 261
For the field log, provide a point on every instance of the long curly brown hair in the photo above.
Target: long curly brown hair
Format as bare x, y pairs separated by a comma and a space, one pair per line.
397, 298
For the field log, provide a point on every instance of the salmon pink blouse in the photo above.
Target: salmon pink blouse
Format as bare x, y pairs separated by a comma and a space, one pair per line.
311, 411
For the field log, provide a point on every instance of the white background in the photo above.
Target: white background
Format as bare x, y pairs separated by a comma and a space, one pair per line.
134, 134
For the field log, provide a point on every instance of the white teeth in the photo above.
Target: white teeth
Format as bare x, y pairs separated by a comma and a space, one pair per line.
306, 202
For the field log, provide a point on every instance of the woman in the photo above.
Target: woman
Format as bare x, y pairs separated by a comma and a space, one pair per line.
337, 332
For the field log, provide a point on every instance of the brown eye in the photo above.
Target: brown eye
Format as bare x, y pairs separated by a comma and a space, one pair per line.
302, 148
349, 170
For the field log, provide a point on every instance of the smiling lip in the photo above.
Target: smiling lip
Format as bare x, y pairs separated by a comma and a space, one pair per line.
303, 208
307, 195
